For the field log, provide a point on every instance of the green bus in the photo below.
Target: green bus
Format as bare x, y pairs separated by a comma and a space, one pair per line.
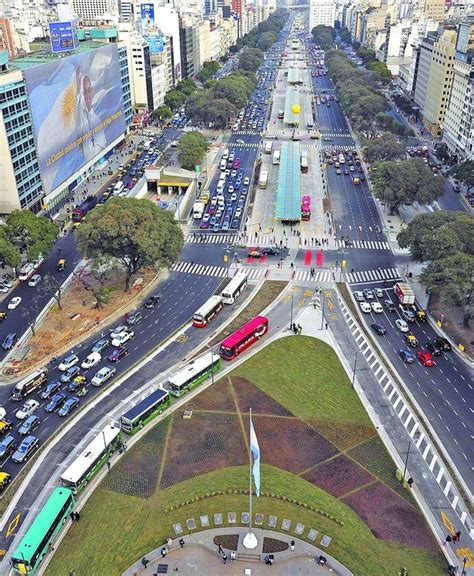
36, 543
194, 373
138, 416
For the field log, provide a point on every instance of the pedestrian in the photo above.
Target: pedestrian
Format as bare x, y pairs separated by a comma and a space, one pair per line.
447, 540
232, 555
292, 545
72, 516
77, 516
108, 465
305, 241
292, 265
220, 549
458, 535
169, 543
145, 562
181, 542
300, 329
164, 552
224, 558
326, 325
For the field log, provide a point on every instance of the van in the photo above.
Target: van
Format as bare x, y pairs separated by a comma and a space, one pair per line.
220, 186
223, 164
148, 144
309, 125
118, 187
225, 155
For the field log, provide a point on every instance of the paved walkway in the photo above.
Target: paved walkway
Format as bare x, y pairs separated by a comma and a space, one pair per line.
200, 556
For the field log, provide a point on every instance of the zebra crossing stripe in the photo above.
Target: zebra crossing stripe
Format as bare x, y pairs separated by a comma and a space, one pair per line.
373, 275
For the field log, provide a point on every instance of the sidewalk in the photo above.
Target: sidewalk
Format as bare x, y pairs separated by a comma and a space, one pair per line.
200, 556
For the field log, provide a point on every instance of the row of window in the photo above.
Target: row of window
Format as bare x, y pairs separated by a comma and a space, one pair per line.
14, 109
24, 161
12, 94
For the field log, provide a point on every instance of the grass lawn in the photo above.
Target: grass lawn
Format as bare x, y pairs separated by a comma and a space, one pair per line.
117, 527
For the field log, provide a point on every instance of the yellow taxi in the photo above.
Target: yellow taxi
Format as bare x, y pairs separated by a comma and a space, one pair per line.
5, 426
411, 340
5, 479
61, 266
3, 315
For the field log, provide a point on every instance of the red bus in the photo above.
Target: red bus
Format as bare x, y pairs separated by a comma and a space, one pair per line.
244, 337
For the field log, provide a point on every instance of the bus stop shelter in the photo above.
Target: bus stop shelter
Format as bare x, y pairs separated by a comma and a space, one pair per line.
292, 98
294, 76
288, 201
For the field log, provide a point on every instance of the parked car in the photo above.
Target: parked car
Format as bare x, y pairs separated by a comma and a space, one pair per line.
14, 302
359, 296
368, 294
27, 409
29, 425
68, 406
365, 307
68, 362
9, 341
376, 307
25, 449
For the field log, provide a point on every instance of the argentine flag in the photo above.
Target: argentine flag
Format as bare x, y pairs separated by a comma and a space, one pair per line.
255, 449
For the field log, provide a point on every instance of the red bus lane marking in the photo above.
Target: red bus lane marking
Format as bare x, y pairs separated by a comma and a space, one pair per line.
308, 256
319, 258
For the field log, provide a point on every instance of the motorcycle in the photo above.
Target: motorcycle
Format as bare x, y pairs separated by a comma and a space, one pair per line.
82, 391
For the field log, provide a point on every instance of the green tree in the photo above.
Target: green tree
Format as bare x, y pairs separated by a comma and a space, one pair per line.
208, 70
381, 69
235, 89
345, 35
266, 40
186, 86
34, 234
192, 148
366, 55
220, 112
452, 278
384, 148
251, 59
464, 173
324, 36
9, 252
162, 113
174, 99
389, 185
134, 232
437, 234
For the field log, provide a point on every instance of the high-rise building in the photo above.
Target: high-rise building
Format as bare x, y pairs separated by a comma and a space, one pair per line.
57, 126
94, 10
434, 10
6, 37
321, 12
458, 125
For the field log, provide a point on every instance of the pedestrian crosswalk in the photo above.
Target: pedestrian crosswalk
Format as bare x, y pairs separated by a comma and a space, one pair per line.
337, 134
245, 240
364, 244
318, 276
243, 144
210, 238
366, 276
216, 271
331, 146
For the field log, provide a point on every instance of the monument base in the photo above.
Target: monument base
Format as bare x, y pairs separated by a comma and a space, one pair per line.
250, 541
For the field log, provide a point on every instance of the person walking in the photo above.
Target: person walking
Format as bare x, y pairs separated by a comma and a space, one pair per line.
224, 558
292, 545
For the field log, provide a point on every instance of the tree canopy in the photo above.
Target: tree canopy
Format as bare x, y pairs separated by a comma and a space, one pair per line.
174, 99
251, 59
464, 173
397, 183
192, 148
26, 232
135, 232
384, 148
208, 70
266, 39
324, 36
162, 113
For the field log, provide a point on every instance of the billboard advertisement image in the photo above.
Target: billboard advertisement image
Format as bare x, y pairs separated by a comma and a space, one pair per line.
63, 36
77, 108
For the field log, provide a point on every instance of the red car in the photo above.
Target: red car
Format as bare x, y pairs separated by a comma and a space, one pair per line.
425, 358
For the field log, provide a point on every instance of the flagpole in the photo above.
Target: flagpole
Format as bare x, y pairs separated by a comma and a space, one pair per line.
250, 477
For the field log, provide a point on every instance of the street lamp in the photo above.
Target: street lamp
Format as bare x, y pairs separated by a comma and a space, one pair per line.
354, 368
212, 358
291, 313
406, 460
322, 310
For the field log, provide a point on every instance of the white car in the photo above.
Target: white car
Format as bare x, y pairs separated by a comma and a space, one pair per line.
379, 292
123, 337
376, 307
401, 325
359, 296
68, 362
14, 302
91, 360
103, 375
365, 307
246, 181
116, 331
369, 295
27, 409
4, 289
231, 189
34, 280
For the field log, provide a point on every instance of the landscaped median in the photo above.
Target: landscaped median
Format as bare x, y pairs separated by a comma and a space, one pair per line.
323, 465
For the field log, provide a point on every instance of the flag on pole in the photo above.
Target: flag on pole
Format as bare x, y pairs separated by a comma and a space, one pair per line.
255, 449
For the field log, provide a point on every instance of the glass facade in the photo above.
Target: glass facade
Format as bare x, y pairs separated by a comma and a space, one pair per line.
19, 129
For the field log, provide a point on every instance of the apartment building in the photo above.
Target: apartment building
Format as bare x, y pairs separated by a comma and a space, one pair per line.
322, 12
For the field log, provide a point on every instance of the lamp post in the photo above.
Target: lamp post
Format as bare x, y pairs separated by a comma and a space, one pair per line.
212, 356
322, 311
406, 460
291, 313
354, 368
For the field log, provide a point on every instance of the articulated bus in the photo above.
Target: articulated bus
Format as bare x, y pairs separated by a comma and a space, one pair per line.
193, 374
91, 459
207, 311
154, 404
244, 337
35, 544
234, 288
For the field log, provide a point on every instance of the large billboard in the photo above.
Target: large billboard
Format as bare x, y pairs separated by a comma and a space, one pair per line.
149, 30
77, 109
63, 36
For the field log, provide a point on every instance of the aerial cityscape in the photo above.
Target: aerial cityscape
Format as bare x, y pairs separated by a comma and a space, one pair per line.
236, 287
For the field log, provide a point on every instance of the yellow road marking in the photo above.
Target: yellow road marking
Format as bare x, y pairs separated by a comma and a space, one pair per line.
308, 293
447, 522
467, 554
13, 524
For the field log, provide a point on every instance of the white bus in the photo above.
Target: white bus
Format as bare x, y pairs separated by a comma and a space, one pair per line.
207, 311
263, 180
29, 384
91, 459
234, 288
276, 157
194, 373
268, 147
